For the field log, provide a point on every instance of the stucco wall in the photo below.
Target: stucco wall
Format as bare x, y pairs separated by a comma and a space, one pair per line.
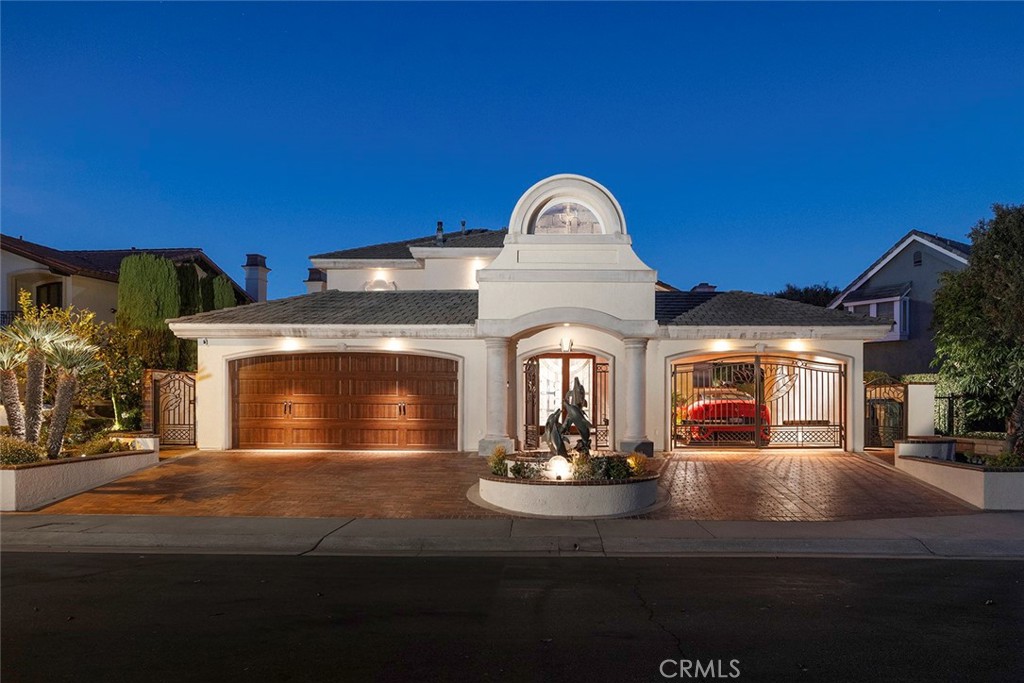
98, 296
447, 273
914, 354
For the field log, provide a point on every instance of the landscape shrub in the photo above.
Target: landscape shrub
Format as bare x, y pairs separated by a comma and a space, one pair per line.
17, 452
497, 461
101, 444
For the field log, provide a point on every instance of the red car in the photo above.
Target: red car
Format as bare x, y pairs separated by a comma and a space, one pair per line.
723, 413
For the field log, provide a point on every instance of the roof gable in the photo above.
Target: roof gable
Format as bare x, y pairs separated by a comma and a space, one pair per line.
959, 251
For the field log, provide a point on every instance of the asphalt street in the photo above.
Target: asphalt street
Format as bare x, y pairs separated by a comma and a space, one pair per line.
122, 617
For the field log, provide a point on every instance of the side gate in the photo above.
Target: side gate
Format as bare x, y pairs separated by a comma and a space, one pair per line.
174, 408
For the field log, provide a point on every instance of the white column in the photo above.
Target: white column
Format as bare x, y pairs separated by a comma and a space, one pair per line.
634, 428
497, 397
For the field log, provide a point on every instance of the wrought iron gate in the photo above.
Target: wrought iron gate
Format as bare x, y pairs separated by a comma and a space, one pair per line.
175, 413
759, 401
885, 414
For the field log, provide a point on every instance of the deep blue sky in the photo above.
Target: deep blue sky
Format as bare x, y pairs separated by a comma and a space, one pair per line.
749, 145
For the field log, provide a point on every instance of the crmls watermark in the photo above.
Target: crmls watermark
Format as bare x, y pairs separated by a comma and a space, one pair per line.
694, 668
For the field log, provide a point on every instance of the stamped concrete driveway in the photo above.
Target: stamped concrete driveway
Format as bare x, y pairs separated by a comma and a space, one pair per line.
797, 485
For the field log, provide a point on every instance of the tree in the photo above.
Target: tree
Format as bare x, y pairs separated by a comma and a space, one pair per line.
223, 293
123, 370
12, 357
147, 295
816, 295
979, 324
191, 303
35, 336
71, 359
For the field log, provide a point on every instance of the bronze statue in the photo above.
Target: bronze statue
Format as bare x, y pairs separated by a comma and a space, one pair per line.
555, 430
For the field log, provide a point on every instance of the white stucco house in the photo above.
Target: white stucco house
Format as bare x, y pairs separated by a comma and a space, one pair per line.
468, 340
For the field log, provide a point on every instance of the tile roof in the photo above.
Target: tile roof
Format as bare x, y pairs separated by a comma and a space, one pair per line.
872, 293
105, 264
336, 307
477, 238
459, 307
744, 308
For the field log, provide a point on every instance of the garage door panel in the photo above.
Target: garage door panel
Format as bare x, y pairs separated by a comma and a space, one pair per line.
430, 438
346, 401
320, 437
261, 437
371, 438
374, 387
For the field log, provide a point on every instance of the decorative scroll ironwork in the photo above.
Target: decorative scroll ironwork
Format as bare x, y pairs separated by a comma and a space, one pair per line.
759, 401
885, 414
176, 409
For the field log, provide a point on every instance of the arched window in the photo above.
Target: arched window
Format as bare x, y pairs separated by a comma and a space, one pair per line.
566, 218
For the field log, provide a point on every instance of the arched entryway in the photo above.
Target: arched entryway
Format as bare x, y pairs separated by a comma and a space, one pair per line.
548, 377
758, 401
345, 401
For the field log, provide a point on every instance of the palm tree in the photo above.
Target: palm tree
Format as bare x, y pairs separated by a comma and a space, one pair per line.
35, 337
70, 359
11, 358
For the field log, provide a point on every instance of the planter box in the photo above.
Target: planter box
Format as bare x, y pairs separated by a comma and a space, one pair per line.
935, 447
980, 446
29, 487
546, 498
983, 487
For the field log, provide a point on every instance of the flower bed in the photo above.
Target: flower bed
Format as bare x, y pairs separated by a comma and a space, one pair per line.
33, 485
988, 488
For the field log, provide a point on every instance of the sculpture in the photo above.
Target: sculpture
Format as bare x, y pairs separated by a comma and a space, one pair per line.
555, 429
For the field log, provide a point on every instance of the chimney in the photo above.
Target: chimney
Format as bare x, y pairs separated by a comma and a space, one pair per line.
703, 287
440, 234
463, 227
317, 281
256, 276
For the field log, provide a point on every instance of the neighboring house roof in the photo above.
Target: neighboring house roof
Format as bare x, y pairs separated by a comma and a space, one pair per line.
105, 264
960, 251
477, 238
873, 293
731, 309
459, 307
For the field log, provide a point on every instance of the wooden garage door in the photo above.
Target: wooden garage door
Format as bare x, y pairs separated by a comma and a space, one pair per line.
356, 401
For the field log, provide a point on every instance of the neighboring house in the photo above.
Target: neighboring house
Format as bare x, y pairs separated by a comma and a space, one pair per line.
470, 340
86, 279
900, 286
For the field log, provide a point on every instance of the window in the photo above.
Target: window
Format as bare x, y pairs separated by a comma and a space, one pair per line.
50, 294
896, 310
917, 259
567, 218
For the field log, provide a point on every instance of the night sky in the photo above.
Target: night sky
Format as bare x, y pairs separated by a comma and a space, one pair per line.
749, 145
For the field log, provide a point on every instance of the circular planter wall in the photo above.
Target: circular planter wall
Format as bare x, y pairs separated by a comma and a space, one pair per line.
545, 498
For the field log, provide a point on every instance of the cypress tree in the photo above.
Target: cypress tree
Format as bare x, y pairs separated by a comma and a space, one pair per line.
189, 291
147, 295
223, 293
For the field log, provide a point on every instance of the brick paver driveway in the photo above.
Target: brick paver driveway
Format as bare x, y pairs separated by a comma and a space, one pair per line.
719, 485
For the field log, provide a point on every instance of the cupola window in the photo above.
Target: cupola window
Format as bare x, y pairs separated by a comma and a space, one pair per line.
567, 218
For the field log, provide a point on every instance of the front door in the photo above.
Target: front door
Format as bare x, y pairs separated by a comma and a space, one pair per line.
549, 377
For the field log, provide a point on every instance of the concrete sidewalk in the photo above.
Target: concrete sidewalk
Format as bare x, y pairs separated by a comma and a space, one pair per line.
981, 535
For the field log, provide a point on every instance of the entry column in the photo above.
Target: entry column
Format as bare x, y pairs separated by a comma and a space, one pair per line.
634, 436
497, 397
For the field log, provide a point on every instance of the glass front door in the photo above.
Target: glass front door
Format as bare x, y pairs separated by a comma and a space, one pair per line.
549, 377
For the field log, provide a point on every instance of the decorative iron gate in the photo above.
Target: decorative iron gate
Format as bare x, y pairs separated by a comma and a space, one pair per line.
599, 413
175, 398
885, 414
759, 401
